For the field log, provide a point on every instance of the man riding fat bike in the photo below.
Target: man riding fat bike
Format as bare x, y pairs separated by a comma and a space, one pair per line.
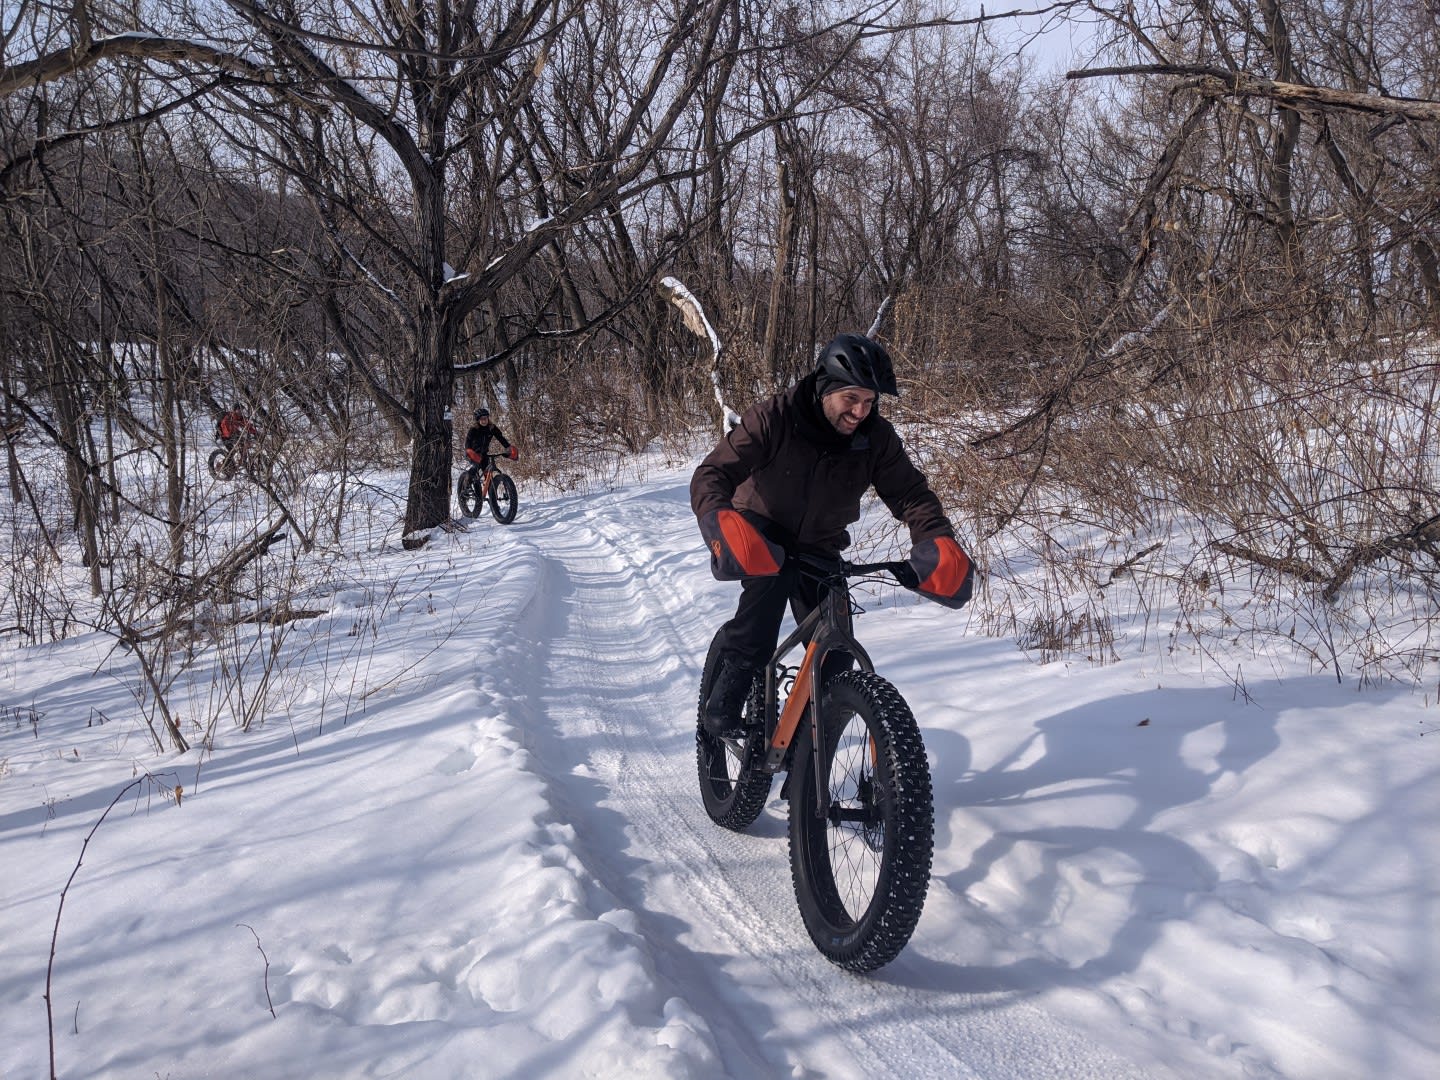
790, 478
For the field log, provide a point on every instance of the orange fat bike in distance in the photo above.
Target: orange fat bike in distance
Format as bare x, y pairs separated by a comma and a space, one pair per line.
858, 784
491, 484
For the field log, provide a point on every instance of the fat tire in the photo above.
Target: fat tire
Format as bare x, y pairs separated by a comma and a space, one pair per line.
503, 500
220, 464
733, 790
257, 467
896, 850
468, 494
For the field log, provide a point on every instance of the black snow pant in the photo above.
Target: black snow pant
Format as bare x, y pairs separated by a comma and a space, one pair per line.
749, 638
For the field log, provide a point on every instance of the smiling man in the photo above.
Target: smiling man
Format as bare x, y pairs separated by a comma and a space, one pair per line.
789, 478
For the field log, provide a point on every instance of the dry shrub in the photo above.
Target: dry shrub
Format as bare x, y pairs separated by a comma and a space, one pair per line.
961, 346
1228, 483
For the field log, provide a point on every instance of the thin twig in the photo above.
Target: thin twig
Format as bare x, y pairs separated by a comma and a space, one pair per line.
266, 977
55, 933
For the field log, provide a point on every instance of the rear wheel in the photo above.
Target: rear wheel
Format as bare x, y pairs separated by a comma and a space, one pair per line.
468, 492
862, 870
503, 502
733, 790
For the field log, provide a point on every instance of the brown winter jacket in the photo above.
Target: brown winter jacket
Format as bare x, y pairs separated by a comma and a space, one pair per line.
787, 463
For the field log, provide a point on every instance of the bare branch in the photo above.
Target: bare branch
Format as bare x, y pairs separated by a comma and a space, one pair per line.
136, 45
1220, 82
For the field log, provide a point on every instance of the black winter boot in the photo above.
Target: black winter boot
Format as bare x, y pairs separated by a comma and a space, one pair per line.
727, 698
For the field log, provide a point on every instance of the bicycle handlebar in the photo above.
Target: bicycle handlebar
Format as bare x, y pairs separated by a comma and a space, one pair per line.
903, 573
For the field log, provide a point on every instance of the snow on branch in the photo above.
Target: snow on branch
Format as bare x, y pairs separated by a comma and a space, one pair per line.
879, 318
693, 315
364, 269
1125, 341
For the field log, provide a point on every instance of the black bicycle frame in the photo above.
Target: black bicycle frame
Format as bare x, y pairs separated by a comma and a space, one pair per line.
477, 476
830, 625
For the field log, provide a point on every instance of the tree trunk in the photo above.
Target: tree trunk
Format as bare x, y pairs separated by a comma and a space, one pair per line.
1281, 164
784, 234
65, 391
13, 425
428, 499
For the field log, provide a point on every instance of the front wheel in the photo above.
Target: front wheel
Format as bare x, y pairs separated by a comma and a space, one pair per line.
502, 498
862, 869
467, 490
257, 467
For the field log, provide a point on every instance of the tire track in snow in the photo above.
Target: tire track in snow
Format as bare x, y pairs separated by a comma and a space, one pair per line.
619, 639
605, 677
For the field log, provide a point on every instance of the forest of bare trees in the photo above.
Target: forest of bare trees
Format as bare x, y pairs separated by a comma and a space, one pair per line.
1194, 279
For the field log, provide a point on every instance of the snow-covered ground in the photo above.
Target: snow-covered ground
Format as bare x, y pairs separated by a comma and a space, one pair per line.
466, 841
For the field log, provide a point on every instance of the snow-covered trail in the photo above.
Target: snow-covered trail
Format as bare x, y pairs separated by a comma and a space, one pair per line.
466, 841
616, 634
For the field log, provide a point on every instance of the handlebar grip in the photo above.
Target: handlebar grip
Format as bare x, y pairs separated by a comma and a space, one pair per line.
905, 574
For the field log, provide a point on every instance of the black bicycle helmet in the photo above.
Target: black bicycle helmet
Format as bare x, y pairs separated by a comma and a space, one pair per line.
856, 360
482, 411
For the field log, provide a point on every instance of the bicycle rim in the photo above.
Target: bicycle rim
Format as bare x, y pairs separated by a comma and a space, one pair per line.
861, 872
502, 498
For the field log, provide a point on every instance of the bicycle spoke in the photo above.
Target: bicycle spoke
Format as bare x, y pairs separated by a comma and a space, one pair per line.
726, 760
855, 849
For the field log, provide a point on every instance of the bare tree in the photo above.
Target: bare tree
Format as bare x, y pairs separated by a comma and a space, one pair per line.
416, 85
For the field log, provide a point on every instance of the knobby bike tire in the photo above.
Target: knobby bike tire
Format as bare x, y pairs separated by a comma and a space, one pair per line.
221, 465
733, 790
257, 467
503, 501
861, 873
467, 491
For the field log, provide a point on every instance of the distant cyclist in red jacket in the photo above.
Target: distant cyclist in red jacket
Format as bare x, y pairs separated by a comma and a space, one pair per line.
235, 425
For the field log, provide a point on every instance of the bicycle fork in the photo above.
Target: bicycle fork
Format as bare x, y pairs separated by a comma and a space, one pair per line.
806, 690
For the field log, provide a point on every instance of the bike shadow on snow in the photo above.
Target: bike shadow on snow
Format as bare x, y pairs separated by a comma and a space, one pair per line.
1109, 770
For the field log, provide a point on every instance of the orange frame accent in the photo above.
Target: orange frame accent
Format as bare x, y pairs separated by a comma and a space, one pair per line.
795, 704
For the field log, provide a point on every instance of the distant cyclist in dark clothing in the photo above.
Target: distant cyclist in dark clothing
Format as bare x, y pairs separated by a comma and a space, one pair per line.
790, 478
477, 441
